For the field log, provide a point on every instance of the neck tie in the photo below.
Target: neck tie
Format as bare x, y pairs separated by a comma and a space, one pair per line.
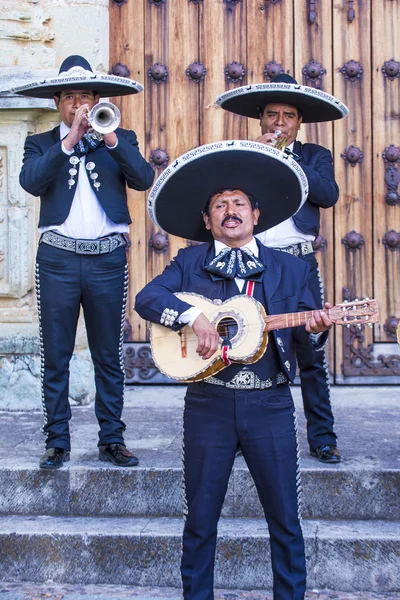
88, 142
235, 262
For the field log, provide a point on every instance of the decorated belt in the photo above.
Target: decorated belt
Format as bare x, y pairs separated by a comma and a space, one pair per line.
99, 246
300, 249
247, 380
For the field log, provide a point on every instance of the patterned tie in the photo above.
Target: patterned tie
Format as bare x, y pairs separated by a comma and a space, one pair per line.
235, 262
88, 142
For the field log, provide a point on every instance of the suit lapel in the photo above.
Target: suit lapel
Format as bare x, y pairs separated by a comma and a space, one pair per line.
55, 134
273, 272
297, 149
64, 172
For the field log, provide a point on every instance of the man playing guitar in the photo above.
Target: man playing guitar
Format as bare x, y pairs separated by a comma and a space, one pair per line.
250, 407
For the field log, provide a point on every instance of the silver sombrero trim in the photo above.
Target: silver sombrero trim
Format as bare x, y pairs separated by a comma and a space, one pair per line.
284, 87
225, 146
77, 79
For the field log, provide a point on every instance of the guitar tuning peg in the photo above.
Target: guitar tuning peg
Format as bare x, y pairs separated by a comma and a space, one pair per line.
348, 326
366, 298
356, 300
370, 325
345, 301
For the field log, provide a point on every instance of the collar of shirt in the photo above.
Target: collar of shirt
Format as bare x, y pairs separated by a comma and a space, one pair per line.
252, 246
290, 147
64, 130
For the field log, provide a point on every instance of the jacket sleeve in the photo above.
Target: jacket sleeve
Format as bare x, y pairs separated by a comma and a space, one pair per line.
323, 189
157, 303
306, 303
137, 171
39, 167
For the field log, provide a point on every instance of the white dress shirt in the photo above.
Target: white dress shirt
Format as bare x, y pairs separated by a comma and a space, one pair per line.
189, 316
285, 233
86, 219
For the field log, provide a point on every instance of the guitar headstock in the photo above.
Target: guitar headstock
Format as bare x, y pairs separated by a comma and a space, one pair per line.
357, 312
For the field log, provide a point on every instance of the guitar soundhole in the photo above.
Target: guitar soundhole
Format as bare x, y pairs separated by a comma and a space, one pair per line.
227, 328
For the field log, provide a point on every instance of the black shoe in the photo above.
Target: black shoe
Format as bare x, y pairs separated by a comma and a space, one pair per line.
327, 454
118, 454
54, 458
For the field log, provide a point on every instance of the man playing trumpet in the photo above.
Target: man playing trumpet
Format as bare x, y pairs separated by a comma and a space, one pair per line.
81, 180
282, 106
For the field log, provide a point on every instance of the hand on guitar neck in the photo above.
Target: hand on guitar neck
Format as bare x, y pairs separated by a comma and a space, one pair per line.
319, 321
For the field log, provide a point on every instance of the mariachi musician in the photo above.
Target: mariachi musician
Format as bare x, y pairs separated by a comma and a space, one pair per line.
81, 178
216, 194
281, 106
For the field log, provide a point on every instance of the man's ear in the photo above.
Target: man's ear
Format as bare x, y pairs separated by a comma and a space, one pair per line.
300, 122
256, 216
57, 101
206, 220
97, 98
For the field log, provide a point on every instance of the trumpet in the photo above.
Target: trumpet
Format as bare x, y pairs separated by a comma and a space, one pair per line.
104, 118
280, 143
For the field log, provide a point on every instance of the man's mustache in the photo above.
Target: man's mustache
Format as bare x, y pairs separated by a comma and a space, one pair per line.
231, 218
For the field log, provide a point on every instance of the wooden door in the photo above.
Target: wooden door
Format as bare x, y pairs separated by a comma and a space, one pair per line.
187, 52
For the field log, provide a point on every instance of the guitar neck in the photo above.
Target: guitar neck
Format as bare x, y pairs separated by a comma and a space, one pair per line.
273, 322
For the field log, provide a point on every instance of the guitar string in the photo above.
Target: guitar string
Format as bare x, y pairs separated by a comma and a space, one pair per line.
250, 328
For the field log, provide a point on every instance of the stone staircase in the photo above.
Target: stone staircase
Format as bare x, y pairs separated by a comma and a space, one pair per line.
97, 524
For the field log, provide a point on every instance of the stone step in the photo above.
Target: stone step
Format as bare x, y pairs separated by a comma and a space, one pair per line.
342, 556
89, 488
34, 591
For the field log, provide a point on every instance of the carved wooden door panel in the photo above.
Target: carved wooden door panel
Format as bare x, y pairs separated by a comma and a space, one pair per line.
187, 52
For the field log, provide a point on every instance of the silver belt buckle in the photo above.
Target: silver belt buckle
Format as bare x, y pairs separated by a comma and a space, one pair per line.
306, 248
87, 246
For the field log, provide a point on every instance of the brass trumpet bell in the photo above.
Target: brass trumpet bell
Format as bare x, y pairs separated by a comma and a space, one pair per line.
104, 117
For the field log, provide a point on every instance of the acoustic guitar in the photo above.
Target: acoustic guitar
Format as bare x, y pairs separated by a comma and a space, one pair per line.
243, 321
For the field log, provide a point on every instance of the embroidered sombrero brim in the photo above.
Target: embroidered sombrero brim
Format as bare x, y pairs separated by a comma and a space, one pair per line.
105, 85
272, 178
317, 106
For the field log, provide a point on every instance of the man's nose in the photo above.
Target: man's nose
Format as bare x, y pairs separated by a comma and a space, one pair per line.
77, 101
230, 211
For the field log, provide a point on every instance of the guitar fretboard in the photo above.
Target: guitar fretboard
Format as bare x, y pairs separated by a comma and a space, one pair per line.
273, 322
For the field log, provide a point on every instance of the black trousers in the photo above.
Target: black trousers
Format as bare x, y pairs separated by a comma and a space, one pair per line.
314, 376
64, 282
216, 421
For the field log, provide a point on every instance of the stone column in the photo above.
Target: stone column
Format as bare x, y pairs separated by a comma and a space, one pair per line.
35, 37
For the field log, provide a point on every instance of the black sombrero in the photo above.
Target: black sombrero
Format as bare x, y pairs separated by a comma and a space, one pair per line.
76, 74
271, 177
316, 106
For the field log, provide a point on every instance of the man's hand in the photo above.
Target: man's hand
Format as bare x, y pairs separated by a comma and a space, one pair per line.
79, 127
320, 322
207, 335
267, 138
110, 139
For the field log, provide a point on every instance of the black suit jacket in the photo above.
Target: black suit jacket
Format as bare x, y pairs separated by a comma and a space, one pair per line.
284, 282
45, 173
316, 162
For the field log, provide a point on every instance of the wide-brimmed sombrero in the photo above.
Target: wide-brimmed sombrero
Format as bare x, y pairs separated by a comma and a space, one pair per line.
76, 74
273, 179
315, 105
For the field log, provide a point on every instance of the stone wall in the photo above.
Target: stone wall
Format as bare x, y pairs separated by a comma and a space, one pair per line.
35, 37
